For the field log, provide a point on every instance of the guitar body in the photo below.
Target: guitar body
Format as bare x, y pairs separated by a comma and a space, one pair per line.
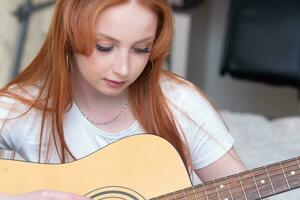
137, 167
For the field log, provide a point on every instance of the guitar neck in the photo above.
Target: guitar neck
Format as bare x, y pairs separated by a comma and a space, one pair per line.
253, 184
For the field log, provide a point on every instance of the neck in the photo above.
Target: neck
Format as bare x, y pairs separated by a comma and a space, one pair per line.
90, 100
253, 184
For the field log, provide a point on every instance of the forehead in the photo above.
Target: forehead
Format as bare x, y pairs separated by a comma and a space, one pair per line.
127, 22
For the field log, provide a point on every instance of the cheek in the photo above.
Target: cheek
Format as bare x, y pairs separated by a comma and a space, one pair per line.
140, 64
137, 69
91, 65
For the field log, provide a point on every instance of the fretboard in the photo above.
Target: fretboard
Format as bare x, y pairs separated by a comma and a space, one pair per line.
253, 184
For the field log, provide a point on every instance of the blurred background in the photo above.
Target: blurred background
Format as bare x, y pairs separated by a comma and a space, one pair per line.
245, 54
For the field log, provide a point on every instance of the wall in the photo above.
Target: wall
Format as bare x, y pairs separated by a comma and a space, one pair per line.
7, 36
10, 28
206, 46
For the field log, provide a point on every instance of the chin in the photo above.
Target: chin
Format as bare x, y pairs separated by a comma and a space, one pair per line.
111, 92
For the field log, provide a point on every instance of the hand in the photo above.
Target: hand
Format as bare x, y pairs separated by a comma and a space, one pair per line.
44, 195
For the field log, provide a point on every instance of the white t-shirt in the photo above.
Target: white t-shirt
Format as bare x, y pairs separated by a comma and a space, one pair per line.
206, 135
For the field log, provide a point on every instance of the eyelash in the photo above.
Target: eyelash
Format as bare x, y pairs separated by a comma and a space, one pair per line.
103, 49
108, 49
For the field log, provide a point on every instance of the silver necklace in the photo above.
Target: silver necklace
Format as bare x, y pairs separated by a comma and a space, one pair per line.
108, 122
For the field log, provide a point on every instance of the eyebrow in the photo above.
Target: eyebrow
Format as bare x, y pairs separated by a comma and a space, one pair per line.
117, 41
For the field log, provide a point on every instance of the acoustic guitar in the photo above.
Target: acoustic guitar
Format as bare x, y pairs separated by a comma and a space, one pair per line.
144, 167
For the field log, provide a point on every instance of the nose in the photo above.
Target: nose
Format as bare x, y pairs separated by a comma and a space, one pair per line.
121, 63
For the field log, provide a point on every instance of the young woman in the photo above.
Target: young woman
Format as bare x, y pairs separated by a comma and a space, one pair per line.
99, 77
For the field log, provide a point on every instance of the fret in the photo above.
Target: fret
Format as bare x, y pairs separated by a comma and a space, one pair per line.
216, 189
298, 162
222, 189
184, 195
277, 178
255, 183
189, 193
165, 197
248, 185
194, 193
285, 176
228, 187
169, 196
200, 192
178, 194
292, 172
242, 187
235, 188
205, 192
270, 180
211, 190
263, 182
174, 196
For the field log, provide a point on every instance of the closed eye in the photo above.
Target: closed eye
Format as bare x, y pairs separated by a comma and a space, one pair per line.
104, 49
144, 50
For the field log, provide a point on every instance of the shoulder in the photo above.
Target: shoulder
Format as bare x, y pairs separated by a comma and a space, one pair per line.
185, 96
189, 104
202, 126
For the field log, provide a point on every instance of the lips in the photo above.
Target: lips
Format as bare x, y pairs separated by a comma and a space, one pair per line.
115, 83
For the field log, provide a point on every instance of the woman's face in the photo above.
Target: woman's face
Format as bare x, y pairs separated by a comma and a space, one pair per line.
124, 38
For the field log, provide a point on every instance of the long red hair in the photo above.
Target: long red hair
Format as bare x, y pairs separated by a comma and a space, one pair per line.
75, 19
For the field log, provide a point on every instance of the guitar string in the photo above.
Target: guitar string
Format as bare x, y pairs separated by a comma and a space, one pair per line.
251, 188
215, 192
245, 185
239, 191
286, 172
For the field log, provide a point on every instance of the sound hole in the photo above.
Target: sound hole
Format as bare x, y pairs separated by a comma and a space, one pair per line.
114, 193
